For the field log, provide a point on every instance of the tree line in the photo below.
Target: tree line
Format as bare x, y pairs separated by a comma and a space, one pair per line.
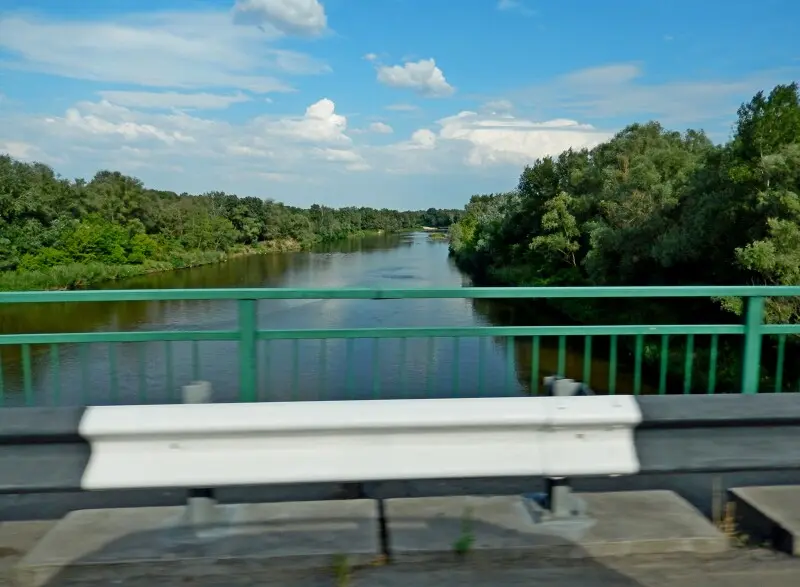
56, 232
652, 206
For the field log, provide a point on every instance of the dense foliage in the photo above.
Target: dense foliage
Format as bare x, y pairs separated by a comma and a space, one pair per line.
60, 233
653, 207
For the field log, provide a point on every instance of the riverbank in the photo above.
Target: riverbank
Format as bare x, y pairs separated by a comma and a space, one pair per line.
82, 275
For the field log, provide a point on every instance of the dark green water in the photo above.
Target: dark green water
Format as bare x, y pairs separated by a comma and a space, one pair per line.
288, 370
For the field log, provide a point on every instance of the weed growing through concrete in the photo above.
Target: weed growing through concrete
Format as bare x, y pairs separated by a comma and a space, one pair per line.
466, 539
341, 570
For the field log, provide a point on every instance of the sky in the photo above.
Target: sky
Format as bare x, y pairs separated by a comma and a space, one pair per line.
402, 104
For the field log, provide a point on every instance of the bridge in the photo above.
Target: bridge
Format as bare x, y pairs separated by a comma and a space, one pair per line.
694, 415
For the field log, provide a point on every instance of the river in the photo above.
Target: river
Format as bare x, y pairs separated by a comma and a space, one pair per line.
288, 370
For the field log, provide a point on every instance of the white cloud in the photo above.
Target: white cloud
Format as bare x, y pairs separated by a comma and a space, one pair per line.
498, 107
381, 128
422, 76
18, 149
509, 140
320, 124
124, 128
370, 57
402, 107
168, 50
479, 141
132, 139
292, 17
353, 161
169, 100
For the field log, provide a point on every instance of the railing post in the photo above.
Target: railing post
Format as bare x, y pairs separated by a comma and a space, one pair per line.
751, 355
248, 375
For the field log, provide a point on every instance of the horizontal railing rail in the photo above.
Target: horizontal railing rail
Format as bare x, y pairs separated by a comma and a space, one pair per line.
707, 291
38, 360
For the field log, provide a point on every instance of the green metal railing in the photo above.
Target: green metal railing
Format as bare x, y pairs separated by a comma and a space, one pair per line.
254, 363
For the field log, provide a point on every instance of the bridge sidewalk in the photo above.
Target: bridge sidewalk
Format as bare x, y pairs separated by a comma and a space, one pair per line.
738, 568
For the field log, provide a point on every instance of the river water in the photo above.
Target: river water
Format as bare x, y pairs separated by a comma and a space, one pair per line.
308, 369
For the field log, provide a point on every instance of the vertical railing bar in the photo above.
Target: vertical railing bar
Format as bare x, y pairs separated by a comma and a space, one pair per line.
431, 347
83, 351
323, 369
587, 359
456, 366
376, 368
2, 382
27, 378
248, 364
509, 364
712, 363
403, 342
350, 384
687, 365
481, 366
612, 366
295, 369
562, 355
169, 373
662, 376
535, 358
779, 363
55, 364
141, 361
751, 355
267, 371
637, 364
112, 374
196, 360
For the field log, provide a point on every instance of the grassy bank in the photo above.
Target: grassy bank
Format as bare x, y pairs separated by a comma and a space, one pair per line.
84, 275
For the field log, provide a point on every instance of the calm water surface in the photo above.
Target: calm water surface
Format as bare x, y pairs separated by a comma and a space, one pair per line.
288, 370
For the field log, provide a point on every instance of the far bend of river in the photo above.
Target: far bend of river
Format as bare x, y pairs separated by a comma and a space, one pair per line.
424, 368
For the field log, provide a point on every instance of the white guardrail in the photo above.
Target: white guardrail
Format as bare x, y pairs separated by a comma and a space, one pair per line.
216, 445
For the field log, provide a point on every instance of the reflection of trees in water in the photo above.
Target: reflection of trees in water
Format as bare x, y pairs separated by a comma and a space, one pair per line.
369, 244
536, 313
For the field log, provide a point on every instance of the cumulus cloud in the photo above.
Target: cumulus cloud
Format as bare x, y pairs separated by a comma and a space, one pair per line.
129, 138
422, 76
381, 128
169, 50
516, 141
319, 124
169, 100
483, 141
291, 17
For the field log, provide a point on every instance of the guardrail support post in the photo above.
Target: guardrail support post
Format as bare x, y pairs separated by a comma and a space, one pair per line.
248, 374
751, 355
200, 504
560, 500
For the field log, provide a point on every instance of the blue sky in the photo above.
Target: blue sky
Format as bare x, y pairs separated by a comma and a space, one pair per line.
396, 103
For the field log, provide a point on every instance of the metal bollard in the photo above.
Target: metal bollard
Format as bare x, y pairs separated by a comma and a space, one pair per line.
201, 504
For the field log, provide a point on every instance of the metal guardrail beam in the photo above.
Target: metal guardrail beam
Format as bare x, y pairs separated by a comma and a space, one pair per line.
70, 449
